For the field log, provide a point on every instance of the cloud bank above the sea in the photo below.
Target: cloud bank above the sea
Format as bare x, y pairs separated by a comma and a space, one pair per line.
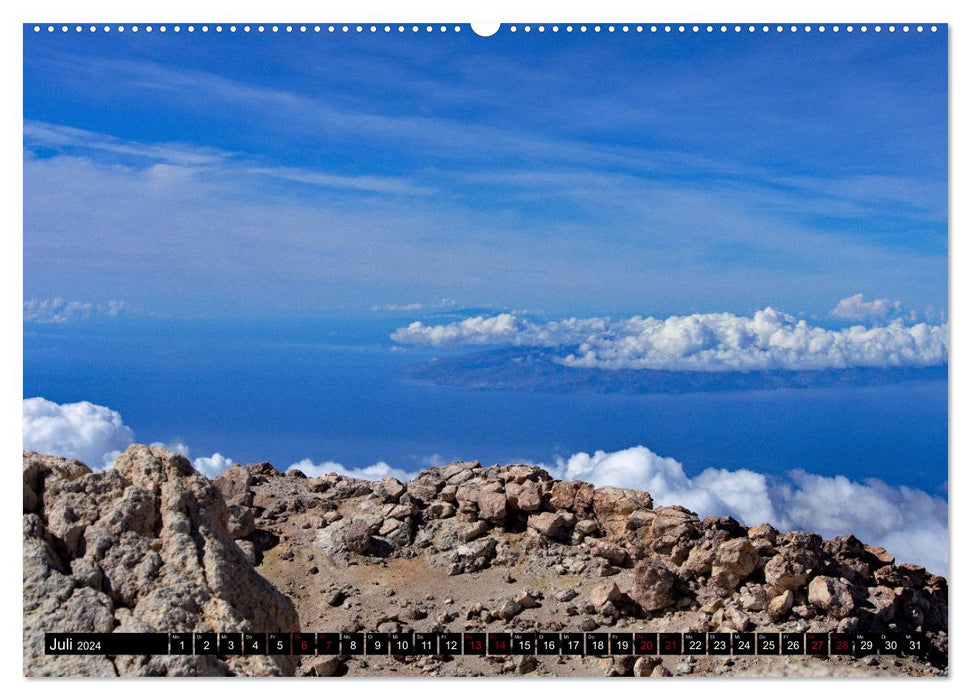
93, 434
768, 340
910, 523
85, 431
374, 472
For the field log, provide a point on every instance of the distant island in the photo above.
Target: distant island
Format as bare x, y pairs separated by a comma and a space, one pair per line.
537, 369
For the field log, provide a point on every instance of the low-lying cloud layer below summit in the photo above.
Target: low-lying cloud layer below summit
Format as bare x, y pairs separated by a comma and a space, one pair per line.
909, 522
769, 340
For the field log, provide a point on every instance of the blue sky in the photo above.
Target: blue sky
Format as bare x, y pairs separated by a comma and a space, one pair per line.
248, 175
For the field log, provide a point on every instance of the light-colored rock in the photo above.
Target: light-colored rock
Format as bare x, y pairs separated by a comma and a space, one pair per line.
645, 665
158, 531
613, 506
553, 525
604, 593
831, 596
734, 561
492, 506
780, 606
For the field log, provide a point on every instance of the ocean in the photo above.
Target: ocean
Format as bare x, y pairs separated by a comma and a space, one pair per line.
331, 390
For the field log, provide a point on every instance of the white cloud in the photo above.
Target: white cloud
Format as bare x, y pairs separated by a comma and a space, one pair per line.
84, 431
58, 136
373, 472
58, 310
854, 308
770, 339
212, 466
398, 307
910, 523
445, 303
178, 447
55, 310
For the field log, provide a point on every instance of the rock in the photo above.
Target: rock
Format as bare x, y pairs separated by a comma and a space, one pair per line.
249, 551
790, 569
880, 554
753, 598
654, 583
645, 665
562, 494
832, 596
492, 506
525, 497
734, 561
619, 666
525, 599
763, 532
475, 531
235, 485
565, 595
611, 551
391, 489
389, 627
604, 593
526, 665
882, 601
468, 495
700, 560
660, 672
587, 527
439, 510
158, 532
509, 609
424, 487
613, 505
780, 606
327, 666
588, 624
334, 598
552, 525
357, 535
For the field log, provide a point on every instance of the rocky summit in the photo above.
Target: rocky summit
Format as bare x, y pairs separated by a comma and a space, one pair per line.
151, 545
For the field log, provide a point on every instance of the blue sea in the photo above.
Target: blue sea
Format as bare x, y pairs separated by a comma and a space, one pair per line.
282, 391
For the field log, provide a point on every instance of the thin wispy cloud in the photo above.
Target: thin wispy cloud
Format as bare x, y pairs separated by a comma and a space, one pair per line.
450, 156
59, 310
364, 183
57, 136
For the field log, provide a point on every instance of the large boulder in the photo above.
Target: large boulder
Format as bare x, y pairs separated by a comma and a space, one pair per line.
492, 506
553, 525
143, 547
790, 569
831, 596
654, 585
734, 560
613, 506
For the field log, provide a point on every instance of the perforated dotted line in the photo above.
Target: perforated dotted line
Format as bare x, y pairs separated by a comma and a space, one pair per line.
251, 28
513, 28
720, 28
